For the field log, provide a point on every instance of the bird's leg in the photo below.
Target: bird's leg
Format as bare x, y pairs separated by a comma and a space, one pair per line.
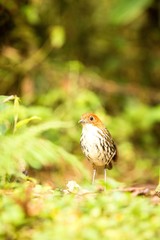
94, 174
105, 173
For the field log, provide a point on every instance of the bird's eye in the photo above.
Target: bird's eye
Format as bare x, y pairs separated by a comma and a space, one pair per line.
91, 118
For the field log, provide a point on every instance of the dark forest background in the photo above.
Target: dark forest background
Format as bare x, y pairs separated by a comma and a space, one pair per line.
62, 58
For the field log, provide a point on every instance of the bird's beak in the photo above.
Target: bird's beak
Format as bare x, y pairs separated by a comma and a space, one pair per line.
81, 121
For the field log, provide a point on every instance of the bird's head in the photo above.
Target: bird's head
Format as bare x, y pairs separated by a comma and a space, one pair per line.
91, 118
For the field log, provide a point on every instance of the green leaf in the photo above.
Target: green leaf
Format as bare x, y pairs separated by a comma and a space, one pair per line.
25, 121
125, 11
16, 111
31, 13
57, 36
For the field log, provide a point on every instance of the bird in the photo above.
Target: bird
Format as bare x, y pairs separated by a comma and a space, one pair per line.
97, 144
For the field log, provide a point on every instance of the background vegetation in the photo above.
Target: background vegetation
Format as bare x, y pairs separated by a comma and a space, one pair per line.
58, 60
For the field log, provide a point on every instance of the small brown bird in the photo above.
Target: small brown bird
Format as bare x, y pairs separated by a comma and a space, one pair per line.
97, 143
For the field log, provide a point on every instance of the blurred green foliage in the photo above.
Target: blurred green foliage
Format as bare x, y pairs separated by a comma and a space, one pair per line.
117, 39
38, 212
23, 143
63, 58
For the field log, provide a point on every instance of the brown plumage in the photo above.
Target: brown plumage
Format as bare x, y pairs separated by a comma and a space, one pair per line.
97, 143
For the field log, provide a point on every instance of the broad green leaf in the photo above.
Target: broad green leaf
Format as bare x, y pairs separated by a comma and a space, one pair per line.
125, 11
25, 121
